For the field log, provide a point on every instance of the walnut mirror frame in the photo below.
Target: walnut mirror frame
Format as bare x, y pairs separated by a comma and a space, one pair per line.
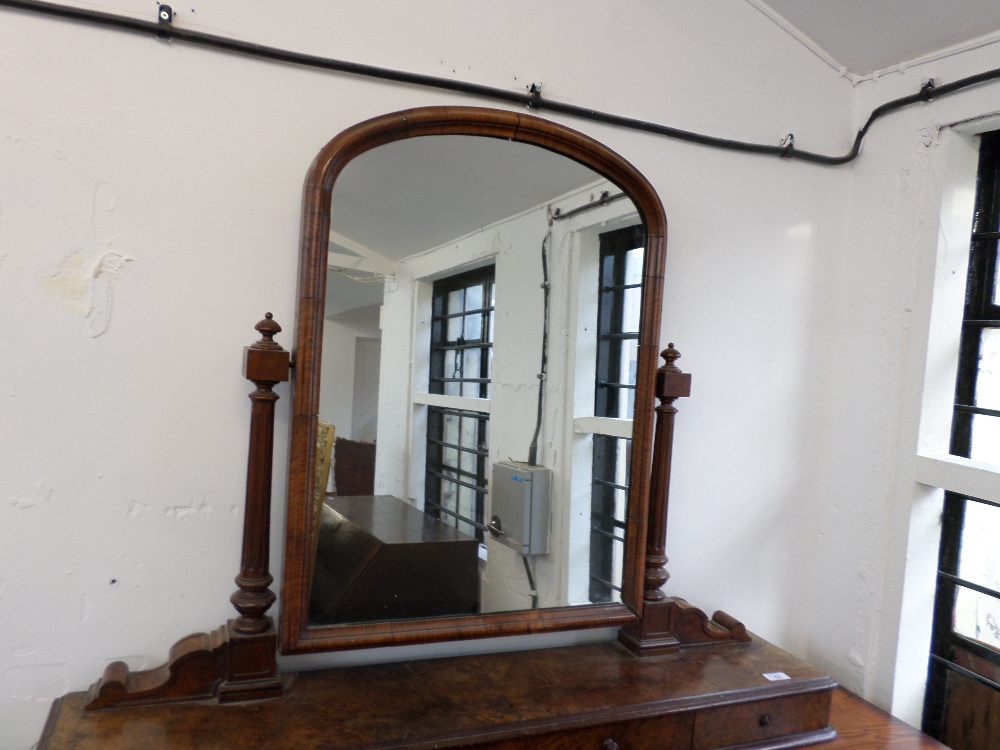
296, 635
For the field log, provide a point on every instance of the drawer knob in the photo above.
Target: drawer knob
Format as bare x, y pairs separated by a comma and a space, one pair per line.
765, 720
609, 744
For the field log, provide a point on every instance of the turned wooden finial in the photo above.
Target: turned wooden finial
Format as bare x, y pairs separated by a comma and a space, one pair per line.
671, 382
267, 328
670, 356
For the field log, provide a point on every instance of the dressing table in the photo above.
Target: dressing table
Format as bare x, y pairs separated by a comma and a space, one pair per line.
676, 678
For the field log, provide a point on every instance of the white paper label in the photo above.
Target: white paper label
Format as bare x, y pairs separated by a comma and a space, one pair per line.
773, 676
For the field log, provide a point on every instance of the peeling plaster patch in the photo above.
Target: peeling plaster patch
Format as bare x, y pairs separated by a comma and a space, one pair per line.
35, 682
84, 608
108, 268
22, 652
86, 287
72, 283
233, 509
85, 278
136, 509
21, 503
179, 511
104, 203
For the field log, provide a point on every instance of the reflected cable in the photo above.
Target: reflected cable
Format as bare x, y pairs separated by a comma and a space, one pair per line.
533, 450
164, 29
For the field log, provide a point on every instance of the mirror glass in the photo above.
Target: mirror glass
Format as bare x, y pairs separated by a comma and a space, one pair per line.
467, 275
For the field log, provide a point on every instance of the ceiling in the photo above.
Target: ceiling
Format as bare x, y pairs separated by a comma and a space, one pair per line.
869, 35
419, 193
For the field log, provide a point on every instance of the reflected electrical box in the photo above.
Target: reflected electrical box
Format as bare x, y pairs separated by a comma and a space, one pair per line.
520, 506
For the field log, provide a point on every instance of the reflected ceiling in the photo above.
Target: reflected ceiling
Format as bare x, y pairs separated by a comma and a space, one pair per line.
382, 200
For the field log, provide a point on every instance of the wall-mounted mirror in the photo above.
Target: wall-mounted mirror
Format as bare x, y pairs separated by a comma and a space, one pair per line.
468, 369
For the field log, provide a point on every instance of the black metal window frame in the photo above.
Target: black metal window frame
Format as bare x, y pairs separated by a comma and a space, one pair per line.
981, 313
607, 525
611, 335
458, 458
450, 324
456, 467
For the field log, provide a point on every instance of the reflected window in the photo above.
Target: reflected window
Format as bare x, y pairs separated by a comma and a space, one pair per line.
618, 309
462, 334
455, 487
619, 306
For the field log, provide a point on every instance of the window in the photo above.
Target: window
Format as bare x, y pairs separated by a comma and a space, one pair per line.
455, 485
619, 305
618, 309
965, 650
462, 334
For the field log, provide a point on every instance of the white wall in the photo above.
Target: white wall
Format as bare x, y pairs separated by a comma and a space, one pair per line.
171, 177
875, 530
336, 396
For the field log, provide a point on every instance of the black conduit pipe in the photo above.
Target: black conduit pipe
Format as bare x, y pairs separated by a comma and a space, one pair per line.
531, 99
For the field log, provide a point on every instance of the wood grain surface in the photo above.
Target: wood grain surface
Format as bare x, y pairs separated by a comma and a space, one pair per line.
537, 697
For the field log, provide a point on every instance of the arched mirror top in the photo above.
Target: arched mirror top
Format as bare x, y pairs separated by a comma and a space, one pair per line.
306, 626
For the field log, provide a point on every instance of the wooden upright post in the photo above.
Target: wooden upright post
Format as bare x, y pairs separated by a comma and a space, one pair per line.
669, 624
671, 384
252, 669
237, 661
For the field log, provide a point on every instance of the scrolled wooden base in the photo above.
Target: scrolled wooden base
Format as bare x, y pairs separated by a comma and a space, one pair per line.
224, 665
669, 625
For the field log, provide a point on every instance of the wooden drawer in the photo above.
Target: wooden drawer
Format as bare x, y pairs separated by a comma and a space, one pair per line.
662, 733
760, 720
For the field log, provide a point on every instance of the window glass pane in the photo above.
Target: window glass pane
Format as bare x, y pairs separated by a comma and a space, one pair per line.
469, 462
456, 301
473, 360
985, 439
633, 266
979, 556
466, 502
449, 496
454, 329
470, 432
988, 378
996, 286
474, 297
977, 616
449, 456
451, 429
474, 327
631, 309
